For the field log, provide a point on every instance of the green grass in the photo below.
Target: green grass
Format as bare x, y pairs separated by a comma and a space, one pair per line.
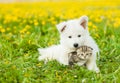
19, 58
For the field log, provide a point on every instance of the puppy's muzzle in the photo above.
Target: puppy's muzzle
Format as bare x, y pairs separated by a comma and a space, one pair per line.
75, 45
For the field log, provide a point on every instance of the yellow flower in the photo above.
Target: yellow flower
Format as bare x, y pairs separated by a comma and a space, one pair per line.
31, 21
26, 54
27, 26
97, 35
116, 25
8, 28
94, 27
22, 31
15, 27
39, 64
89, 23
2, 30
0, 27
29, 41
7, 62
28, 32
26, 75
14, 67
53, 22
36, 23
43, 22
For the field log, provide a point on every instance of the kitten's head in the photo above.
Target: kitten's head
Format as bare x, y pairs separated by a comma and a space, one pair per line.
84, 52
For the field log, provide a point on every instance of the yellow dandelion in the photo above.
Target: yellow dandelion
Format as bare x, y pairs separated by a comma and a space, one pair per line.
116, 25
31, 21
26, 75
27, 32
27, 26
89, 23
29, 41
24, 21
94, 27
98, 20
50, 43
39, 64
26, 54
22, 31
113, 37
22, 36
8, 28
65, 72
97, 35
14, 67
5, 22
7, 62
43, 22
52, 18
56, 73
0, 27
14, 27
10, 34
2, 30
53, 22
36, 23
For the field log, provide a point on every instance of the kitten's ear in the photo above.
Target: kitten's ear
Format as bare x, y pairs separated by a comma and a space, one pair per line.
61, 26
79, 49
91, 48
84, 21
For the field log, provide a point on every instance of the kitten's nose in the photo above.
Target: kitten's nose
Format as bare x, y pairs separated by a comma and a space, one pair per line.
76, 45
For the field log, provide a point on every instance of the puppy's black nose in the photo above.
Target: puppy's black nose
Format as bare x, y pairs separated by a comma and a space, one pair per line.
75, 45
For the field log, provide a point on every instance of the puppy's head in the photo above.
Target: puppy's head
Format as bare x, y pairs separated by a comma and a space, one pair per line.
73, 32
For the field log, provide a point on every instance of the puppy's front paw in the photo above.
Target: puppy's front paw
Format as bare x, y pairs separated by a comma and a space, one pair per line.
97, 70
93, 67
40, 50
40, 58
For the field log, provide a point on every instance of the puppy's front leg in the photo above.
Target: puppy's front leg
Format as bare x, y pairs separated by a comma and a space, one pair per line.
91, 65
64, 59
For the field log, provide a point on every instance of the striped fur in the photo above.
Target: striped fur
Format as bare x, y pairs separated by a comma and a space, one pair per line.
81, 55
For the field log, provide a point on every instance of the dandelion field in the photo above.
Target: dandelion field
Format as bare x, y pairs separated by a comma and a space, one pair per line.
24, 27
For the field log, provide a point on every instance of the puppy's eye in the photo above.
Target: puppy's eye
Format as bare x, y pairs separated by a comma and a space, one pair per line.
69, 36
79, 35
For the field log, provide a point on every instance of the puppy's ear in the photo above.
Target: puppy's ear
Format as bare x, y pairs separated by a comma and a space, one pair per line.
83, 21
61, 27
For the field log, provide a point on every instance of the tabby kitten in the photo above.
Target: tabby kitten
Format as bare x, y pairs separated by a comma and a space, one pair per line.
80, 56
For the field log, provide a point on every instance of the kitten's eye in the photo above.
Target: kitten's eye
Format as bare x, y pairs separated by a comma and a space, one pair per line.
81, 54
79, 35
90, 53
86, 54
69, 36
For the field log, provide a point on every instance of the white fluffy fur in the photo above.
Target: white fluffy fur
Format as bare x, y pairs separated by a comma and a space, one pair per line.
71, 28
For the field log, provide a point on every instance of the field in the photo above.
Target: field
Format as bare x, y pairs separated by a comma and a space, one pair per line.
24, 27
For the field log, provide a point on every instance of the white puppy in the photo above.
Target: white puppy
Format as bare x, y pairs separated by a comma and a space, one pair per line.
73, 34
